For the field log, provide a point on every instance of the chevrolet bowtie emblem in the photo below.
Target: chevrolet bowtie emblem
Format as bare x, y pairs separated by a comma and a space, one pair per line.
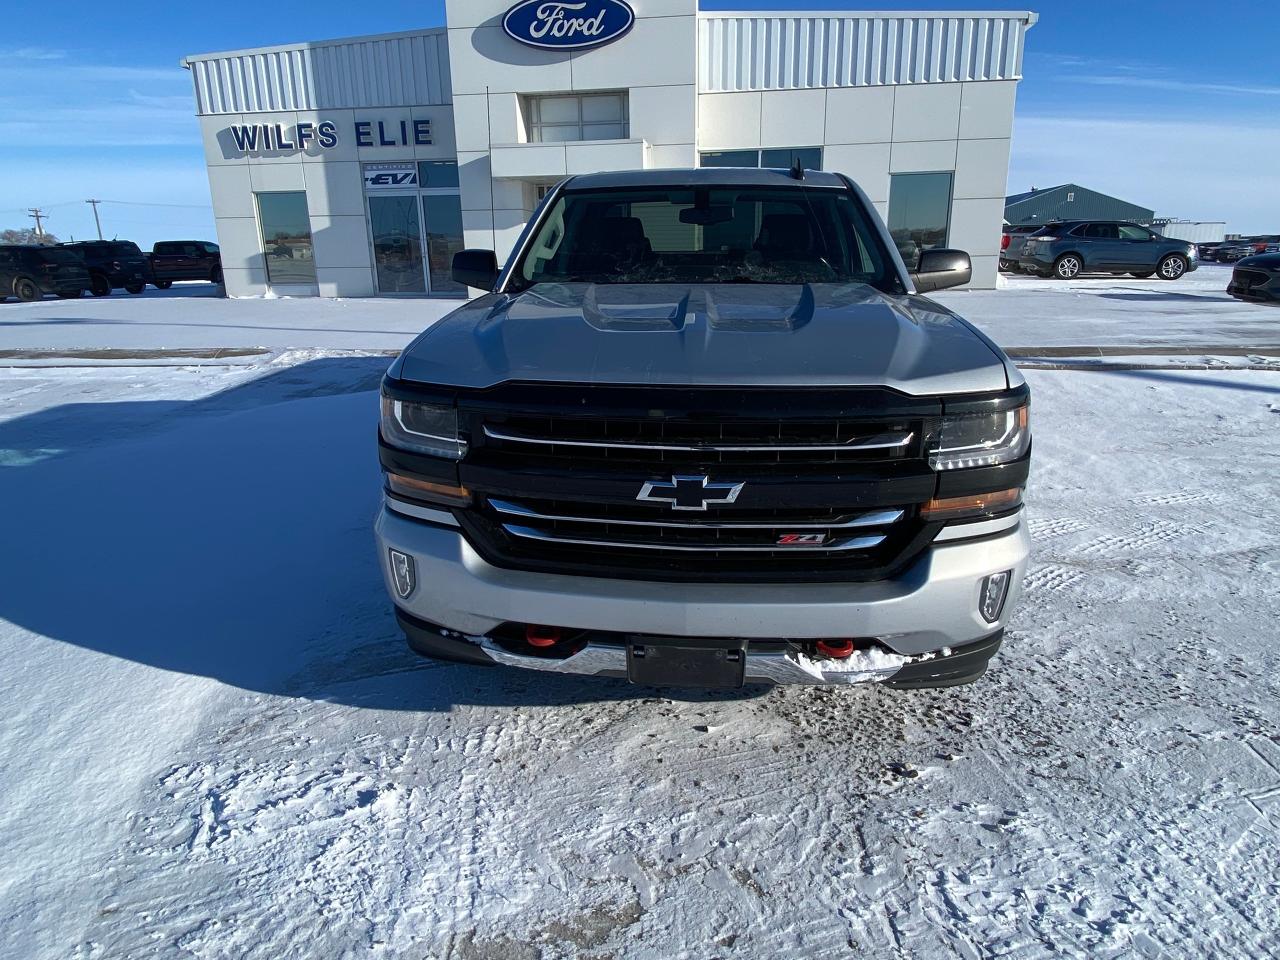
689, 493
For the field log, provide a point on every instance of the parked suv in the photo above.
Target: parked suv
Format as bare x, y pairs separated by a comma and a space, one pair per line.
113, 264
703, 430
1066, 250
185, 260
29, 272
1011, 241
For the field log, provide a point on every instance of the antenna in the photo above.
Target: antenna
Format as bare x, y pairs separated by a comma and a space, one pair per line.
797, 169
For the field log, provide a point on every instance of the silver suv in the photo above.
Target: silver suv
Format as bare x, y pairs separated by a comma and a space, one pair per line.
703, 430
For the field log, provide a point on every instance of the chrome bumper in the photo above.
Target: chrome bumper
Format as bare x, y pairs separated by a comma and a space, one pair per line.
929, 607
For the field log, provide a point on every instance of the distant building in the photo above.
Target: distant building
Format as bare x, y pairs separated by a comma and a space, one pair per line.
1070, 201
1192, 230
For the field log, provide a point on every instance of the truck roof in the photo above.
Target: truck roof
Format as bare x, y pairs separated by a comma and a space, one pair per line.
702, 177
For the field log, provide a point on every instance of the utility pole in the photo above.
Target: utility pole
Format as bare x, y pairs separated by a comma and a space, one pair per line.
97, 222
36, 213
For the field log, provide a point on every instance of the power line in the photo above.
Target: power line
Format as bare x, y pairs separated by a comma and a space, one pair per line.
141, 203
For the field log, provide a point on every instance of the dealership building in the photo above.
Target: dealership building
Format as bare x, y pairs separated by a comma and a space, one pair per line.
357, 167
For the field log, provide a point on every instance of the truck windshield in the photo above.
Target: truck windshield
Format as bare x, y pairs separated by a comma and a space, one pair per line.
741, 234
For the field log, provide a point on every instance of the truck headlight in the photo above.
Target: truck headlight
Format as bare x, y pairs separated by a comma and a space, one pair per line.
429, 428
981, 439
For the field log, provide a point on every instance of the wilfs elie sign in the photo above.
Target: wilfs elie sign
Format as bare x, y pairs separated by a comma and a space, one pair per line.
568, 24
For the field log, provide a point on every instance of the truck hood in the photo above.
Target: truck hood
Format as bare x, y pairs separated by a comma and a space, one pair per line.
715, 334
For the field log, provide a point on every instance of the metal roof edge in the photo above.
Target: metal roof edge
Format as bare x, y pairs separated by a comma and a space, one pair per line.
1029, 17
309, 45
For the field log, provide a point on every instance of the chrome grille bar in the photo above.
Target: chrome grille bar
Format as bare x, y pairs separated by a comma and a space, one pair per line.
852, 543
880, 518
882, 441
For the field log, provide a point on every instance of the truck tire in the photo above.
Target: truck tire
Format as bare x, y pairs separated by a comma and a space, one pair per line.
1068, 266
99, 285
25, 289
163, 284
215, 275
1171, 267
135, 288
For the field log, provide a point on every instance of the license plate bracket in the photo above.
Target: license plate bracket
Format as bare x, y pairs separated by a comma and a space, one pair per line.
709, 665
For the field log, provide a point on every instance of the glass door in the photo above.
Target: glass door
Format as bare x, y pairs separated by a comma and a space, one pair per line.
442, 217
397, 243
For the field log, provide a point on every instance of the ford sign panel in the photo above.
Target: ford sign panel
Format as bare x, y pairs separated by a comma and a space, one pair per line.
568, 24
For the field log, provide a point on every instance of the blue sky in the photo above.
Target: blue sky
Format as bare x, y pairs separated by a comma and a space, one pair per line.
1173, 105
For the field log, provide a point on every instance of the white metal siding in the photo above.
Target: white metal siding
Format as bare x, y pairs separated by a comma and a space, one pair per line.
789, 52
397, 71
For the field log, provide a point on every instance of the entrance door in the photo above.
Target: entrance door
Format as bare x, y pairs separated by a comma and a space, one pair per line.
442, 217
397, 243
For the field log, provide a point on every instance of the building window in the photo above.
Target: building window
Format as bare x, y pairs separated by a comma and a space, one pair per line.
919, 212
438, 173
589, 116
781, 158
286, 237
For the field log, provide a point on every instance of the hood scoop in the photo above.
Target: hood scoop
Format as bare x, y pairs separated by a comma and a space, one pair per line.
748, 311
635, 309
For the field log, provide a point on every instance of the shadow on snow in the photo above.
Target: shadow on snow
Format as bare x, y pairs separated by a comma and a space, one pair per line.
231, 538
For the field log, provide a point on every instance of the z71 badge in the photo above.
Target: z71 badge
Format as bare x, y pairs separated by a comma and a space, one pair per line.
802, 539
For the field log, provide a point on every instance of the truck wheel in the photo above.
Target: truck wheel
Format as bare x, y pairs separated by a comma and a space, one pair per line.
1144, 276
99, 285
135, 288
71, 294
163, 284
1067, 267
1172, 267
26, 290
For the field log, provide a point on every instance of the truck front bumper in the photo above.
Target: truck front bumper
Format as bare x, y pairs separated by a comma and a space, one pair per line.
927, 613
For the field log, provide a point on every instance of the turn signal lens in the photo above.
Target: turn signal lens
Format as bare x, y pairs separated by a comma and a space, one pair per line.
415, 489
975, 505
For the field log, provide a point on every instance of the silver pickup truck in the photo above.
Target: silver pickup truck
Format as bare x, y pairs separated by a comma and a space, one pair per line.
704, 430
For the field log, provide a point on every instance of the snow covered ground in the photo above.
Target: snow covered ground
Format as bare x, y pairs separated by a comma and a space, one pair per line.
1024, 312
215, 744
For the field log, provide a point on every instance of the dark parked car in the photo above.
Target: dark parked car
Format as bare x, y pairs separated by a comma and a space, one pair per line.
113, 264
1257, 279
1073, 247
185, 260
29, 272
1234, 250
1011, 242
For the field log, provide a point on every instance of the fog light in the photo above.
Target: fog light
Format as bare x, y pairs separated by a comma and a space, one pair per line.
994, 589
403, 573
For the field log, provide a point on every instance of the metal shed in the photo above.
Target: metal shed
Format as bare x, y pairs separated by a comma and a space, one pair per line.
1070, 201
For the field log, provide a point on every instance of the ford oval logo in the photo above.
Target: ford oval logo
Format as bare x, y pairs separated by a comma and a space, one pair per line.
568, 24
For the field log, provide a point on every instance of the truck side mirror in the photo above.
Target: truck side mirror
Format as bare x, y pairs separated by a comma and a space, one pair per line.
939, 269
475, 268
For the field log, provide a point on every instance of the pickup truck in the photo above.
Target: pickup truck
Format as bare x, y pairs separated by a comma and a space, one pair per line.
704, 430
185, 260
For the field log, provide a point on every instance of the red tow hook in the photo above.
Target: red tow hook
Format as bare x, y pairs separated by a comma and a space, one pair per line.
541, 637
836, 649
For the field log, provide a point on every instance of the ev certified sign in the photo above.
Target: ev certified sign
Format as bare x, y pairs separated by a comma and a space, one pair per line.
389, 176
568, 24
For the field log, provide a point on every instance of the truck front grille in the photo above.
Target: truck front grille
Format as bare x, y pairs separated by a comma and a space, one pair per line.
683, 443
594, 481
597, 526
